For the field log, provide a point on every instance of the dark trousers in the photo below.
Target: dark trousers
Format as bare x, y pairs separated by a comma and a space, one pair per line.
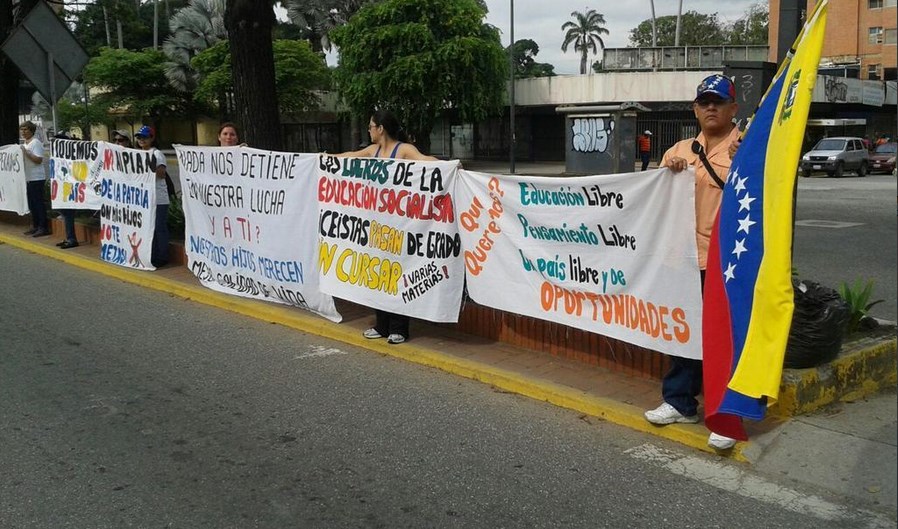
159, 256
68, 220
645, 156
387, 323
683, 382
34, 192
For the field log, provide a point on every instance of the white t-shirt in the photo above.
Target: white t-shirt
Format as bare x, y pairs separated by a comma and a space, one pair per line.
161, 188
35, 171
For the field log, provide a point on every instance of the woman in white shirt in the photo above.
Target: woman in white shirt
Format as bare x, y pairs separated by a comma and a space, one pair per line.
33, 153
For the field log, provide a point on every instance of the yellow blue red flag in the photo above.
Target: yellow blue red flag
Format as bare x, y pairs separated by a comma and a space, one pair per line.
748, 300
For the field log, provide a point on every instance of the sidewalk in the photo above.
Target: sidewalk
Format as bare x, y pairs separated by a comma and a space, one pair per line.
847, 448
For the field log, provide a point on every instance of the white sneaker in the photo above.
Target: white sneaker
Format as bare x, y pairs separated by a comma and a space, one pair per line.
371, 334
395, 338
667, 414
720, 442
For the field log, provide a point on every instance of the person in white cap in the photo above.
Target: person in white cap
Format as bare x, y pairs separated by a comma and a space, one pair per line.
645, 148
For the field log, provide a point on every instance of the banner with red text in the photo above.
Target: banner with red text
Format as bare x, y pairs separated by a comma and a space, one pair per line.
75, 174
610, 254
251, 224
388, 236
12, 180
127, 190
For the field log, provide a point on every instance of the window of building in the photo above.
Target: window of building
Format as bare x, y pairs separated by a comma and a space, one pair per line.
891, 3
875, 35
873, 72
874, 4
890, 36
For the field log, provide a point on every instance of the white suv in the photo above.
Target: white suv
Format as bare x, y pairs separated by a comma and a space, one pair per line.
835, 156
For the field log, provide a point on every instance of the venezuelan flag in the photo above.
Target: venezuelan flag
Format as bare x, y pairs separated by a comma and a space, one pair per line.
748, 299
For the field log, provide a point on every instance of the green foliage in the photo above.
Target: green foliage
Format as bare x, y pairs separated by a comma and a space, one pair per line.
91, 22
585, 34
418, 58
696, 29
525, 65
298, 72
132, 83
858, 299
175, 219
752, 28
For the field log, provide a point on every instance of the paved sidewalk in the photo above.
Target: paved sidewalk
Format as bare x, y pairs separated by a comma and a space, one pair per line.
848, 449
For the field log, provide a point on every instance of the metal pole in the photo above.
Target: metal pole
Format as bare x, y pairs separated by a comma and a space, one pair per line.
511, 92
52, 90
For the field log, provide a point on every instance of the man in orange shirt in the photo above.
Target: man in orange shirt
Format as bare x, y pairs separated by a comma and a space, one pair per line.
710, 155
645, 148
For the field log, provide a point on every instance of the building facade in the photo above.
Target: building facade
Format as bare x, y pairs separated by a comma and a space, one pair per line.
860, 38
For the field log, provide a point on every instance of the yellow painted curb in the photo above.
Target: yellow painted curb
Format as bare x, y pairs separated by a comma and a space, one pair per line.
692, 435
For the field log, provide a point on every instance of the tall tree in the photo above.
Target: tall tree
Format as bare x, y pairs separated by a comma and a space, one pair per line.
420, 58
696, 30
9, 74
249, 24
585, 33
318, 17
751, 29
523, 57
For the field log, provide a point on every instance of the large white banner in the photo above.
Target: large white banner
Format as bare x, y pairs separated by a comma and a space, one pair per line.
127, 190
611, 254
388, 235
251, 224
75, 174
13, 196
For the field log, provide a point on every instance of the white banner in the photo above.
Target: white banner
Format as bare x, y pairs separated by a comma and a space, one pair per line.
251, 224
612, 254
75, 174
388, 235
127, 190
13, 196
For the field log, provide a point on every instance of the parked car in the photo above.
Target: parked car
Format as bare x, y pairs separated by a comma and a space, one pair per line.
835, 156
883, 157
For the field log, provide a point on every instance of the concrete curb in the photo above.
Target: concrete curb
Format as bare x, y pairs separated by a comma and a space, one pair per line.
794, 393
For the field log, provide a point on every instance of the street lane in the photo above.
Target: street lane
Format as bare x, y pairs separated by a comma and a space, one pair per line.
123, 407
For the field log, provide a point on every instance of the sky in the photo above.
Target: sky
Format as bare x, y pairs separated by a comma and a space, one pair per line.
541, 20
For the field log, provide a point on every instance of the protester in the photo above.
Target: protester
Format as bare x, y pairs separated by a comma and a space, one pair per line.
33, 154
228, 136
68, 215
715, 108
645, 148
121, 138
146, 140
387, 136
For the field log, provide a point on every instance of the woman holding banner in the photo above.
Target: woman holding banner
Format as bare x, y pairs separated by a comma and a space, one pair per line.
388, 140
146, 140
228, 135
33, 155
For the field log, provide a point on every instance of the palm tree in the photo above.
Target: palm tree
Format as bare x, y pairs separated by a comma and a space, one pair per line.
585, 34
193, 29
319, 17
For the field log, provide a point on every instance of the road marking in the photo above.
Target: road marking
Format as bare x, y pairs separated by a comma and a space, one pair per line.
827, 224
733, 479
318, 351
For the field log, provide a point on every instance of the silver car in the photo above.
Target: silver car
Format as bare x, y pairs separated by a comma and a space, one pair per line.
835, 156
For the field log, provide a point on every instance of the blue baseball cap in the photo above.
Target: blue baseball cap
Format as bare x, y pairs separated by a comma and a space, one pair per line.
145, 131
717, 85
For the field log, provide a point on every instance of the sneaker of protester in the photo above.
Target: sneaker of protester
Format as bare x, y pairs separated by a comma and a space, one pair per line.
395, 338
371, 334
41, 233
667, 414
30, 232
720, 442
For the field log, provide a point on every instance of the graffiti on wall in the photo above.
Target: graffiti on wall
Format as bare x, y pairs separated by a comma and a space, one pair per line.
591, 134
836, 90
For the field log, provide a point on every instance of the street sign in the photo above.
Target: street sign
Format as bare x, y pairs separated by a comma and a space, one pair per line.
46, 53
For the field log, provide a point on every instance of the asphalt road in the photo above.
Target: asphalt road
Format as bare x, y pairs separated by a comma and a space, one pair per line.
846, 231
123, 407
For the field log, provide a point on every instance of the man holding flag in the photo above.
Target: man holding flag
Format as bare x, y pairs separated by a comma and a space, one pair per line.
710, 155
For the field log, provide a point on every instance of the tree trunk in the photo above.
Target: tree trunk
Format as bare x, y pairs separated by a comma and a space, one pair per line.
249, 24
584, 56
106, 23
9, 74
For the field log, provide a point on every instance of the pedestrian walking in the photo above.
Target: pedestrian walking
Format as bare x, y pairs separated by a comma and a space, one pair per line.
645, 148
